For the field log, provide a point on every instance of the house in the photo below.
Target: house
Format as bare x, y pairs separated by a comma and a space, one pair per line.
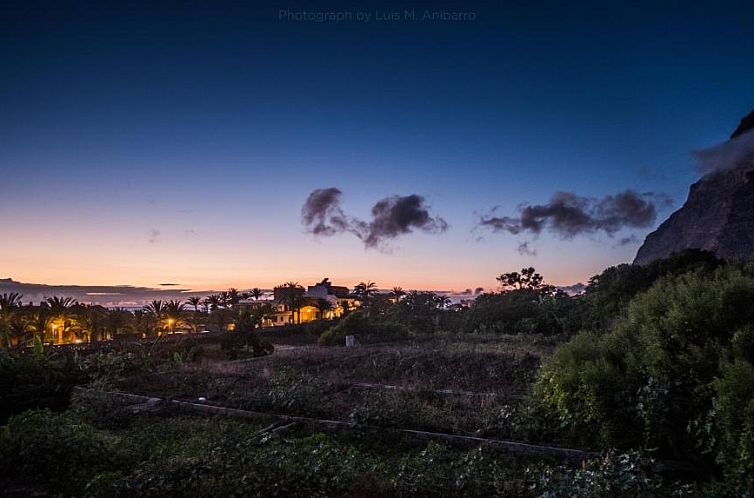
298, 305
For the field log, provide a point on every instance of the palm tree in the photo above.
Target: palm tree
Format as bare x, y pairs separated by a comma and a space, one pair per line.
40, 321
213, 302
292, 295
62, 315
233, 296
365, 290
144, 323
323, 306
174, 313
195, 301
18, 329
265, 312
156, 309
117, 321
225, 298
398, 293
8, 304
92, 320
256, 293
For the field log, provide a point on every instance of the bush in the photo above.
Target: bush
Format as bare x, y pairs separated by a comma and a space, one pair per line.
39, 445
520, 311
245, 338
607, 296
613, 475
365, 330
651, 381
33, 380
734, 407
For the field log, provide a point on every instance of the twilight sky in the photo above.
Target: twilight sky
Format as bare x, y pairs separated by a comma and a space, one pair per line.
178, 143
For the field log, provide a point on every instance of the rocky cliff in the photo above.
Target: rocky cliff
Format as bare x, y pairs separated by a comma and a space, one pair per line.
719, 213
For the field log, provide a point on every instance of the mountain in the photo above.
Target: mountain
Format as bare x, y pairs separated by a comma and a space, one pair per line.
719, 213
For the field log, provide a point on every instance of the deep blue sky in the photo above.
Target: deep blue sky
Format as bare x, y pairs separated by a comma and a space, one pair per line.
147, 143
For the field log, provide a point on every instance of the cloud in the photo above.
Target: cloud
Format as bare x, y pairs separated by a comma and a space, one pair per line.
727, 155
394, 216
105, 295
568, 215
524, 249
631, 239
153, 236
391, 217
168, 285
322, 214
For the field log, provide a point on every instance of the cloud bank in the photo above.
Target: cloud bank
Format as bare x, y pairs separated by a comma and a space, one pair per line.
568, 215
736, 152
392, 216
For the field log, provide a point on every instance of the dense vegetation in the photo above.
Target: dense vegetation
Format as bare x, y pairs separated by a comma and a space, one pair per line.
649, 362
673, 374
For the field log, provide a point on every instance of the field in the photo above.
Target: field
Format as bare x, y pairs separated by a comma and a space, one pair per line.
465, 386
443, 415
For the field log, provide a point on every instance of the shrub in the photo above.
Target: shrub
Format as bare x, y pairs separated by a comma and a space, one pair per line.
36, 381
245, 338
519, 311
54, 448
365, 330
106, 367
650, 382
734, 407
613, 475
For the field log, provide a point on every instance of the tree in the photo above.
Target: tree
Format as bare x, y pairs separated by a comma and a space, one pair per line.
117, 321
528, 279
9, 302
40, 322
18, 329
156, 309
213, 302
195, 301
92, 320
365, 290
234, 297
63, 318
174, 314
144, 323
291, 294
225, 299
256, 293
323, 306
397, 293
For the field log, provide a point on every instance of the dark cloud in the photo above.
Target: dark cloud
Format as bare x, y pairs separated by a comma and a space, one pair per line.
391, 217
394, 216
322, 214
568, 215
168, 285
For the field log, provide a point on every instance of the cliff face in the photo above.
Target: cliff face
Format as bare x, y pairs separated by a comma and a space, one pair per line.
719, 213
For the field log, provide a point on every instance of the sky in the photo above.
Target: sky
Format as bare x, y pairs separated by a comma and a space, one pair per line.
178, 143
